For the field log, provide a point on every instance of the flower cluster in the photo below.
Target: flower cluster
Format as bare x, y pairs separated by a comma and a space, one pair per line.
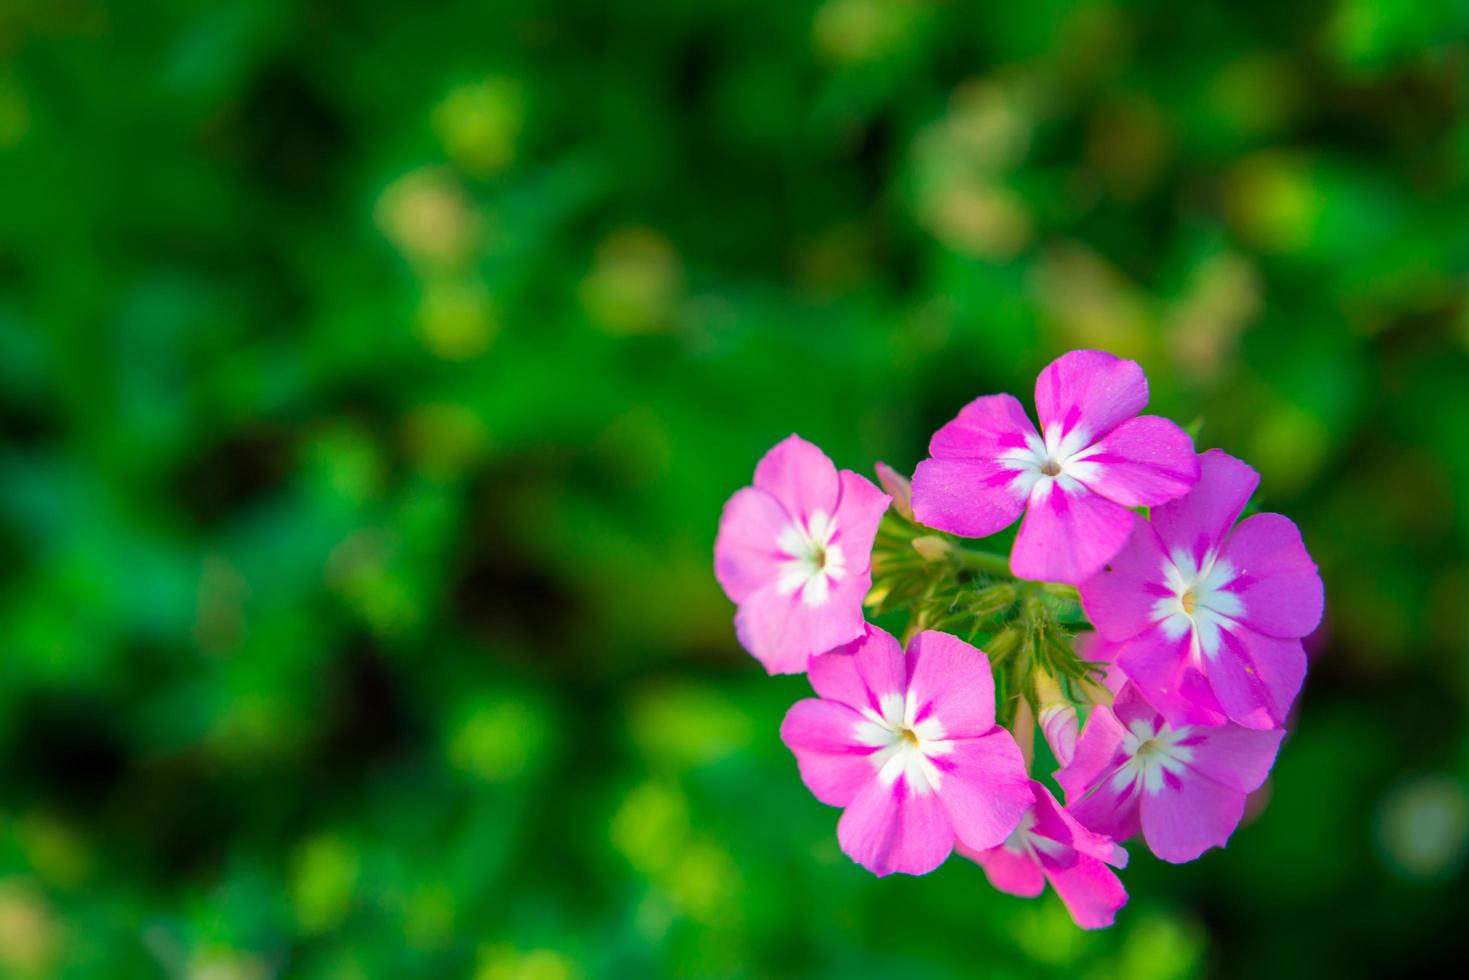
1134, 596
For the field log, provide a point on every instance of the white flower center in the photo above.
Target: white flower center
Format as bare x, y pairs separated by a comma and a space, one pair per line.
1023, 840
1153, 755
811, 561
905, 746
1199, 604
1052, 459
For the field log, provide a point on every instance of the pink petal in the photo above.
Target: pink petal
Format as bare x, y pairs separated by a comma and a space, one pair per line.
783, 632
1188, 815
1092, 648
1277, 580
1143, 462
834, 766
1165, 677
1256, 677
1109, 809
1097, 755
858, 513
1199, 522
966, 487
800, 476
951, 680
861, 673
1234, 757
1119, 599
1089, 390
1061, 726
985, 429
1067, 536
984, 788
971, 498
897, 486
1008, 871
1090, 890
1055, 822
746, 556
889, 829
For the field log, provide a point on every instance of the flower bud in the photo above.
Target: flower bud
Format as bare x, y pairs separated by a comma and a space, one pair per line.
1057, 718
1060, 726
932, 548
897, 486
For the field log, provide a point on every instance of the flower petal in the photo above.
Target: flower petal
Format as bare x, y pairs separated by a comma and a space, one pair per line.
985, 788
783, 632
746, 556
1198, 523
1090, 890
1143, 462
1234, 757
1188, 815
1009, 871
968, 486
1058, 824
1091, 391
1068, 534
857, 515
833, 764
861, 673
1165, 676
968, 497
1276, 579
1256, 677
800, 476
1119, 599
951, 681
1095, 755
889, 829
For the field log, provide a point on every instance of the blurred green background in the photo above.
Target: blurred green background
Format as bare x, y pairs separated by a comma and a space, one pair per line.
372, 375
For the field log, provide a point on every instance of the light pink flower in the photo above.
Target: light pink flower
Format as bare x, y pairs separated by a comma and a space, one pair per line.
794, 552
1051, 845
1184, 787
909, 747
1209, 616
1075, 481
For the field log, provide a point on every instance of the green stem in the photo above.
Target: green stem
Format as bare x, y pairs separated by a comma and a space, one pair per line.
984, 561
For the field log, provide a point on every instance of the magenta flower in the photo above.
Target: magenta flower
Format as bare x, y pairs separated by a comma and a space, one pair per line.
1183, 786
1209, 616
909, 747
1075, 481
1050, 845
794, 552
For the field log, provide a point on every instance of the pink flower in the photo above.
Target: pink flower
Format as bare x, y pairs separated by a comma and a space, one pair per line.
1075, 481
1209, 616
1050, 845
794, 552
909, 746
1184, 786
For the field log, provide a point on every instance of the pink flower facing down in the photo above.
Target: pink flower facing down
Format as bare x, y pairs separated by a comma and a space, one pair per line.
909, 746
794, 552
1209, 616
1075, 480
1184, 787
1051, 845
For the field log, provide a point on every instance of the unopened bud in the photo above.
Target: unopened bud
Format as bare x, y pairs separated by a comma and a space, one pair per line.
876, 596
897, 486
932, 548
1060, 726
